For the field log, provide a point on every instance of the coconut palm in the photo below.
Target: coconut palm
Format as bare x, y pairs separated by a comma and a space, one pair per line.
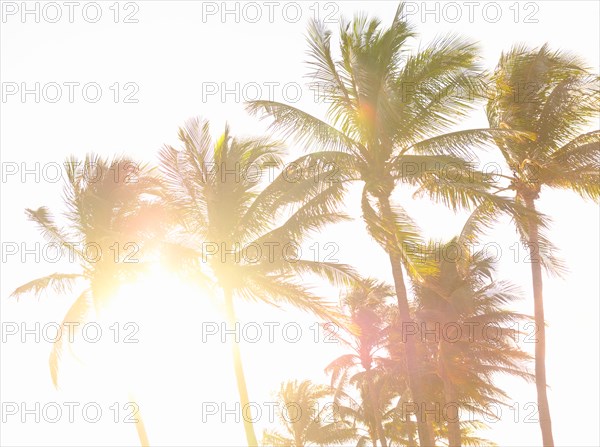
111, 215
388, 111
554, 95
309, 417
367, 312
367, 402
465, 356
242, 226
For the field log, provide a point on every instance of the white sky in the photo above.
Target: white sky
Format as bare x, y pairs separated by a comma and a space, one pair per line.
174, 54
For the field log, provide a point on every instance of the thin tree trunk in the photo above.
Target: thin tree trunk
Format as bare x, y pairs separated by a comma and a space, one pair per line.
239, 372
540, 324
451, 414
376, 414
411, 433
425, 437
382, 438
139, 424
140, 427
454, 437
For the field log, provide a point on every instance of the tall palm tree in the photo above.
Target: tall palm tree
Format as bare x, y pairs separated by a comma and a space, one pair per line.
367, 312
554, 95
306, 414
464, 358
388, 111
225, 201
111, 215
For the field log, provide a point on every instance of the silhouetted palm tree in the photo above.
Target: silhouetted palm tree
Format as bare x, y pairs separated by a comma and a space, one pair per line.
388, 111
555, 96
465, 355
112, 213
226, 204
367, 312
308, 417
372, 410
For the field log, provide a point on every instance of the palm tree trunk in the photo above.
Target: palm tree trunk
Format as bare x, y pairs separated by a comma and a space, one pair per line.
376, 415
540, 324
373, 439
411, 432
139, 424
450, 396
414, 382
454, 437
380, 430
239, 371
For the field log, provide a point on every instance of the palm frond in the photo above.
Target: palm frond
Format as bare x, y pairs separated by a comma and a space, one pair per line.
303, 127
51, 231
74, 316
60, 283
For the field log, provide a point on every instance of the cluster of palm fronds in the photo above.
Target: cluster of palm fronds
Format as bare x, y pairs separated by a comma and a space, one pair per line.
369, 400
391, 121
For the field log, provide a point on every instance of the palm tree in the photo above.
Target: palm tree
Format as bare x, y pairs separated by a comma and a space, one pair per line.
372, 411
112, 213
464, 358
388, 112
224, 201
554, 95
308, 418
367, 311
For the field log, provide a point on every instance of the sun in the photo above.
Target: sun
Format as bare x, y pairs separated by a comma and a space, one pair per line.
165, 343
153, 353
153, 317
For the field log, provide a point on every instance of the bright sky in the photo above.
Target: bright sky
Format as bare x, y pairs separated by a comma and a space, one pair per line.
177, 61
